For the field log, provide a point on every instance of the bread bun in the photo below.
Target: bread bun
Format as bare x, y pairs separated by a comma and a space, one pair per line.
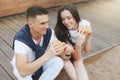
60, 44
87, 30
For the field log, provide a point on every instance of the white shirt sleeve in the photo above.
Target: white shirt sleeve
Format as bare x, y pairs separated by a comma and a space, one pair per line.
20, 47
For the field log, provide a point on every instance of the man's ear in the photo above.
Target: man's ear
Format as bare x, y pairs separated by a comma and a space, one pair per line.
30, 24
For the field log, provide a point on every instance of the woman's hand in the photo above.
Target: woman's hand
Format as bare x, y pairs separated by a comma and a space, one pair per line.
67, 53
87, 43
68, 49
80, 36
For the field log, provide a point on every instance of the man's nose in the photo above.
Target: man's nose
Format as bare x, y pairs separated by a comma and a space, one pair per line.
46, 25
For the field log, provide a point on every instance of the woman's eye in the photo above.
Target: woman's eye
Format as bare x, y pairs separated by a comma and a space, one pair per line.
63, 19
69, 18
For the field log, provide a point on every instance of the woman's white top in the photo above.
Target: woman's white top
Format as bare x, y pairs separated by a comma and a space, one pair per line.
74, 33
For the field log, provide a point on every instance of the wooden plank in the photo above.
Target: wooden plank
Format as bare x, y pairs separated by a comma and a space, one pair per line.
6, 49
104, 13
4, 75
15, 21
9, 7
7, 29
5, 62
52, 15
9, 23
21, 19
8, 39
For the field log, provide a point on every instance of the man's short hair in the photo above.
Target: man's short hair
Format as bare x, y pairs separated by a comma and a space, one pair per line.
33, 11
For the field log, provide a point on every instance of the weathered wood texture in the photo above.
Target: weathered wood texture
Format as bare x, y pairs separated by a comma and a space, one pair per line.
9, 7
102, 14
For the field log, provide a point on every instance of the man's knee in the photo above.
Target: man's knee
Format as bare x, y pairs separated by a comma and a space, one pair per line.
58, 62
55, 62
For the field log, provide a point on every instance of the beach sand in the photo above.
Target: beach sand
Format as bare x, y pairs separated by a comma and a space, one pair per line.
106, 67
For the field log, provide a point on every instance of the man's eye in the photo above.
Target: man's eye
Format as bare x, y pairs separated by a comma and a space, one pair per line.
42, 23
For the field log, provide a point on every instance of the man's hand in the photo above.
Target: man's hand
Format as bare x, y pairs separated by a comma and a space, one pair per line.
56, 48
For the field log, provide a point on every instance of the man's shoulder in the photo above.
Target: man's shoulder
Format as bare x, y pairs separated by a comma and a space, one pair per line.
21, 48
51, 30
22, 32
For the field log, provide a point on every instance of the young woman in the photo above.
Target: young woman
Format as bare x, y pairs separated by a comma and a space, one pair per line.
77, 41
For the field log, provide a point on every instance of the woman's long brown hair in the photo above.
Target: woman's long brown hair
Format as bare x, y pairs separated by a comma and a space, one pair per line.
61, 32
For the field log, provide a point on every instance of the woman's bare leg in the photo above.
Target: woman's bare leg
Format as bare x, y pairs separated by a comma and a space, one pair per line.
69, 68
80, 70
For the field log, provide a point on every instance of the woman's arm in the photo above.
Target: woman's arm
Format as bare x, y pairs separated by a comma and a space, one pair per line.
78, 46
87, 43
68, 51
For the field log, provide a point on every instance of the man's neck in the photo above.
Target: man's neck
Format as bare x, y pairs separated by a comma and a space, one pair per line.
37, 37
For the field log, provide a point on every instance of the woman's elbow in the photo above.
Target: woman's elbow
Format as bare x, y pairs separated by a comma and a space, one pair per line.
86, 52
87, 49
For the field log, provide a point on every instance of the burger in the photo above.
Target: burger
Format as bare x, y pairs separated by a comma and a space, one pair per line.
87, 29
60, 44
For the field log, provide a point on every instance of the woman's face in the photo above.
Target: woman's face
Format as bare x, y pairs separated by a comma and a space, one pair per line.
68, 20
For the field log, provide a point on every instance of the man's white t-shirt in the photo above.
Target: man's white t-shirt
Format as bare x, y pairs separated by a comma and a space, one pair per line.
21, 48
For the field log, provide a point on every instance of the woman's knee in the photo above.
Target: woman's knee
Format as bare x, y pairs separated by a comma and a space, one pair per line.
67, 63
78, 62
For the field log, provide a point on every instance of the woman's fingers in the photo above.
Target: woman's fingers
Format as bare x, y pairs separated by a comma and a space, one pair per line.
68, 49
56, 49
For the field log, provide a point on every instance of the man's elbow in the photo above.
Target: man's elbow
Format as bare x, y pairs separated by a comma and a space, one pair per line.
21, 72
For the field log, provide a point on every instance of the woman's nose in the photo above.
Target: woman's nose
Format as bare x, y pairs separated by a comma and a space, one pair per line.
66, 21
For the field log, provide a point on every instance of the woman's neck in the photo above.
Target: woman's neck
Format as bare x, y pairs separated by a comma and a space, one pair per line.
75, 27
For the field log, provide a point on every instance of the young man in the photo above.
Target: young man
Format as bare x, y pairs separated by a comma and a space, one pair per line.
33, 59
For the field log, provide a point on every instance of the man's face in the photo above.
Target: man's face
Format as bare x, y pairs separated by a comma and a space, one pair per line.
40, 24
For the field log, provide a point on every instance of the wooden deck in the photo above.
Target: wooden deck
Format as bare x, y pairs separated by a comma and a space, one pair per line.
102, 14
8, 7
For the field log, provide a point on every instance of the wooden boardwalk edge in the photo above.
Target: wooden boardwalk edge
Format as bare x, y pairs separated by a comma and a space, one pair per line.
97, 55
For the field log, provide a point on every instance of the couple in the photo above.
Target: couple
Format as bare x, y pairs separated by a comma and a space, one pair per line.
37, 57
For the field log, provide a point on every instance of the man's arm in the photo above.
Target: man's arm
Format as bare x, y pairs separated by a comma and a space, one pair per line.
25, 68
